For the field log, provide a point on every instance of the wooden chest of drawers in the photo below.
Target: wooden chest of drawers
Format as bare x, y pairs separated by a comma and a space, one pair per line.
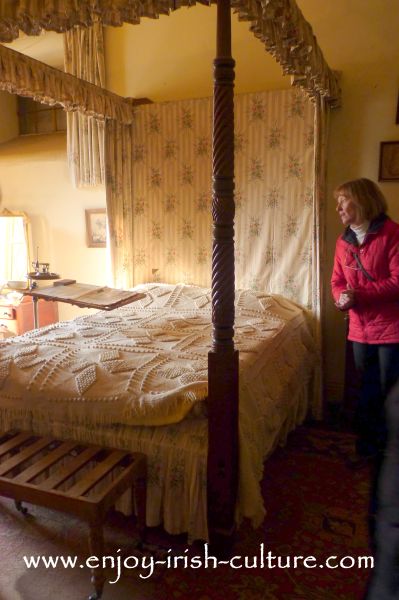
18, 317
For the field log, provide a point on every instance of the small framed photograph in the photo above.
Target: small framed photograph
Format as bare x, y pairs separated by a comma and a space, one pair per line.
389, 161
96, 227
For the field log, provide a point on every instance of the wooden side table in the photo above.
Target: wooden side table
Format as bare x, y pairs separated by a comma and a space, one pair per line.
70, 485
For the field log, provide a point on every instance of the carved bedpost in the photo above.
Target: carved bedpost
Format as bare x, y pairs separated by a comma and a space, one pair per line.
223, 358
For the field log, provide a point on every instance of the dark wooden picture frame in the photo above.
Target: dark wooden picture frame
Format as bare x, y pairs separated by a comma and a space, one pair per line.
397, 112
96, 227
389, 161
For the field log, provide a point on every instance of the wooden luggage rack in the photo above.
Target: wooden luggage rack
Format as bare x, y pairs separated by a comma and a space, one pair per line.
64, 476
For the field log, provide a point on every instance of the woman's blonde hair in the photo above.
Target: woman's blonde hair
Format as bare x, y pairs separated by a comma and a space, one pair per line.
366, 195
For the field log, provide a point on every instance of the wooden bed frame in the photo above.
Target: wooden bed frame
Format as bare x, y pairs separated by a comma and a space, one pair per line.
223, 450
222, 478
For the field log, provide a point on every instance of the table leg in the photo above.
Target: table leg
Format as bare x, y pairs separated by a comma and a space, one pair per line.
35, 313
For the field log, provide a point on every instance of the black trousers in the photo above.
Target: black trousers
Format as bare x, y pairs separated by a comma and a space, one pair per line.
384, 584
378, 367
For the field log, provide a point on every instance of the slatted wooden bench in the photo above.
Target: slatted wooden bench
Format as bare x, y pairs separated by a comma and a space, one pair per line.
64, 475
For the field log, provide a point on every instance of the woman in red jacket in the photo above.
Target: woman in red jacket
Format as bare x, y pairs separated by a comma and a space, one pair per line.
365, 282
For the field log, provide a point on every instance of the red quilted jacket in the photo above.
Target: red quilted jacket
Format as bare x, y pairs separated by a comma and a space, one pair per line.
372, 270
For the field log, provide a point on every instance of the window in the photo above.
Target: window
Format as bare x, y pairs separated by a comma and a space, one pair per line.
14, 247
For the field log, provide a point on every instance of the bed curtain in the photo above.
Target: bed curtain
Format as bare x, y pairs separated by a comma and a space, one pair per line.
84, 58
274, 182
119, 193
322, 115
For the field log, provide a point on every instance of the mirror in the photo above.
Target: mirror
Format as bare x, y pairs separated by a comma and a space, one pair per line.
14, 248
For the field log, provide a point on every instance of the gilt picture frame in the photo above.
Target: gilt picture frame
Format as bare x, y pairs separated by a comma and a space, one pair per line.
389, 161
96, 227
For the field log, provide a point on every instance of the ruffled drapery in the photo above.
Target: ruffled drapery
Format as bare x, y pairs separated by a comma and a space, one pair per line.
25, 76
289, 38
278, 23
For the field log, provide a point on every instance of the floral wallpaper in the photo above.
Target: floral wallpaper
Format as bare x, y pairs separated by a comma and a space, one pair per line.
274, 166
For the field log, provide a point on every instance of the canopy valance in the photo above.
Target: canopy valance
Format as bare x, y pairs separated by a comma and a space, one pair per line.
25, 76
278, 23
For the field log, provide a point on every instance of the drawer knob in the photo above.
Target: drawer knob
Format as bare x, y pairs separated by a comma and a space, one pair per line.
8, 313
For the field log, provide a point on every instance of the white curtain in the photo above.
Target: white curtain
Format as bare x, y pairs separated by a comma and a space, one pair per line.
119, 195
84, 58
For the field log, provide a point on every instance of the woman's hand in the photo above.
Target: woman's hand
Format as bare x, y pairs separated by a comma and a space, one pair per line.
346, 300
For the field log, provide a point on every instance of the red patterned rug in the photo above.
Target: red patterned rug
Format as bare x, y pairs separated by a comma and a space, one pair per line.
317, 507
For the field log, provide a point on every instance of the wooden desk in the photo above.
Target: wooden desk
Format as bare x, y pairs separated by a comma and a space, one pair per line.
68, 473
83, 295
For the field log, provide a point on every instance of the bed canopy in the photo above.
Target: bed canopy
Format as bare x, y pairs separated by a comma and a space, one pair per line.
280, 25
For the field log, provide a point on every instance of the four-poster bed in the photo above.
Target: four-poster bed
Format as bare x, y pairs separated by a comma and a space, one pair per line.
301, 57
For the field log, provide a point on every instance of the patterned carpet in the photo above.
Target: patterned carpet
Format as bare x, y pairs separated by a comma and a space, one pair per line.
316, 504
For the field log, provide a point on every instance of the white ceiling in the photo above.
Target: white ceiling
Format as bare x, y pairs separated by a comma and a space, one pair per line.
354, 32
46, 47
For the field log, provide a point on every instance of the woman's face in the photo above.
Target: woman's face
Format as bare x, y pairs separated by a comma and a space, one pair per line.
347, 210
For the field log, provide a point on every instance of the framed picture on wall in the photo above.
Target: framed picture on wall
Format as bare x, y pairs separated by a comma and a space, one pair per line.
389, 161
96, 227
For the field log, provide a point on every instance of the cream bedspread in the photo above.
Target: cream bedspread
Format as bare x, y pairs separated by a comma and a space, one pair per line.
98, 377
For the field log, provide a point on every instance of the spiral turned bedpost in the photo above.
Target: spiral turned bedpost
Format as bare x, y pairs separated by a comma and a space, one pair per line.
223, 358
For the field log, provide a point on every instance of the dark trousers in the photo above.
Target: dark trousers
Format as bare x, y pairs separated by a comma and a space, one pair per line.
384, 583
378, 368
